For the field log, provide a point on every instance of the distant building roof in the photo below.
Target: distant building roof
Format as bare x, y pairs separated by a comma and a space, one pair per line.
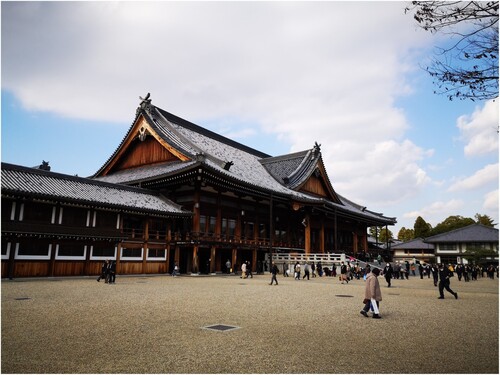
471, 233
415, 244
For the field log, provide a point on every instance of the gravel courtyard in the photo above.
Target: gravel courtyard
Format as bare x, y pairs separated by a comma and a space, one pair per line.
156, 324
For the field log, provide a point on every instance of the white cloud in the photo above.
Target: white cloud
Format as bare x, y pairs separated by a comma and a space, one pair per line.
301, 71
480, 130
491, 203
482, 177
436, 212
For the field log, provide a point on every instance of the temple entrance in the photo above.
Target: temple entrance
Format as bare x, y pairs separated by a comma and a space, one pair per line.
204, 260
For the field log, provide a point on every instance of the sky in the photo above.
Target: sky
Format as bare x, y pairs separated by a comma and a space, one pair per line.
275, 76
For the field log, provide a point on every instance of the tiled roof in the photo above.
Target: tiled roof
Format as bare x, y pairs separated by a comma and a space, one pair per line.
249, 167
283, 167
470, 233
135, 175
416, 244
17, 180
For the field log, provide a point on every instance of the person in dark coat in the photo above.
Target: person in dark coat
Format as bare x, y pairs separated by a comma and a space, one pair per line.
388, 274
104, 271
112, 272
435, 274
444, 281
274, 272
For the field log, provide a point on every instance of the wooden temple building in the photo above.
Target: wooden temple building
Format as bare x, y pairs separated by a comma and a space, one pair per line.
174, 192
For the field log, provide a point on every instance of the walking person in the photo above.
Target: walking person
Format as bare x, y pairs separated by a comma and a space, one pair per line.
435, 274
373, 295
104, 270
343, 273
249, 270
274, 272
175, 272
444, 281
228, 266
313, 269
306, 271
285, 269
112, 272
243, 270
388, 274
297, 271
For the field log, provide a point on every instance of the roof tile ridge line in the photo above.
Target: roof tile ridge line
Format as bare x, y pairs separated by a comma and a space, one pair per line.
171, 202
289, 193
272, 159
83, 180
172, 128
184, 139
185, 166
137, 114
215, 136
301, 170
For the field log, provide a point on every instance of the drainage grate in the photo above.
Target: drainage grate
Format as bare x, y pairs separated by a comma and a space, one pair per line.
221, 327
22, 298
343, 295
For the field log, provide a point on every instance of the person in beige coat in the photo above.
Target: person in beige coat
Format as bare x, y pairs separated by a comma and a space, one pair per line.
373, 294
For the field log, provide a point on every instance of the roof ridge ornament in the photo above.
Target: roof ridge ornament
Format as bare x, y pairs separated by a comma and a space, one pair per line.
145, 103
317, 148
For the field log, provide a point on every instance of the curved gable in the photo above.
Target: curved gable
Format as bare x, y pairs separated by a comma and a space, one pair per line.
141, 146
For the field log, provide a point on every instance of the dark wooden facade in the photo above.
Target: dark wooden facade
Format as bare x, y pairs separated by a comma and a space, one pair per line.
52, 234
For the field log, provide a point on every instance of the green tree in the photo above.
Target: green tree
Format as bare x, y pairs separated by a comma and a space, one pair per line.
468, 67
421, 228
385, 235
478, 255
406, 235
381, 233
452, 223
485, 220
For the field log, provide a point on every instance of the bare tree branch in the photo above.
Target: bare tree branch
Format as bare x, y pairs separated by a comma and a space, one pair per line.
468, 69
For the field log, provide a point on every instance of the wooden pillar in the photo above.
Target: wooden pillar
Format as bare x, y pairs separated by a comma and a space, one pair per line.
254, 260
12, 255
234, 259
322, 237
117, 256
145, 245
177, 256
307, 235
212, 260
354, 242
52, 258
335, 233
167, 246
195, 268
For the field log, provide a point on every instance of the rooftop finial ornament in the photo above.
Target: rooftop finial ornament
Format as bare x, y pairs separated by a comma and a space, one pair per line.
317, 148
146, 100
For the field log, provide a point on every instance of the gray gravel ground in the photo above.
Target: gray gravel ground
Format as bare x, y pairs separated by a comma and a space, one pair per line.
154, 324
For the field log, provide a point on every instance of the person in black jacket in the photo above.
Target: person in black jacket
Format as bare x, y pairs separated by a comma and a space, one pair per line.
274, 272
444, 281
112, 272
104, 271
388, 274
